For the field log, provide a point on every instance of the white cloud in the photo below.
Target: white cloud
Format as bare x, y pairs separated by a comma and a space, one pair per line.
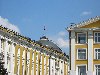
62, 42
86, 13
6, 23
60, 39
62, 33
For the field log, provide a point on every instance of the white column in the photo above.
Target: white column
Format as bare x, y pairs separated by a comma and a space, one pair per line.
54, 65
60, 65
45, 66
51, 64
0, 44
12, 59
90, 53
5, 53
63, 68
72, 72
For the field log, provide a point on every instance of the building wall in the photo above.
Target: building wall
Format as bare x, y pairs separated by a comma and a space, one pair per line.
24, 57
90, 46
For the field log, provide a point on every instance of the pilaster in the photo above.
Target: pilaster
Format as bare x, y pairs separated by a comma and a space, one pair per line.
90, 53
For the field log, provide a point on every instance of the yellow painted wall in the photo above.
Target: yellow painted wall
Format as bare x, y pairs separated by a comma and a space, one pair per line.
34, 62
47, 58
30, 64
65, 69
15, 64
39, 56
43, 64
21, 53
92, 25
78, 62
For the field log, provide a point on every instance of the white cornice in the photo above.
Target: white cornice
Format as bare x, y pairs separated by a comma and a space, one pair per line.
89, 21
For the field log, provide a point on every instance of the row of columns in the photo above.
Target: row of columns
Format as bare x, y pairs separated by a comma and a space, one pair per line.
21, 61
37, 64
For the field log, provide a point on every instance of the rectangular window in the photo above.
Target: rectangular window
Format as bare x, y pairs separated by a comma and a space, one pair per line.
81, 54
81, 70
97, 68
97, 53
97, 37
81, 38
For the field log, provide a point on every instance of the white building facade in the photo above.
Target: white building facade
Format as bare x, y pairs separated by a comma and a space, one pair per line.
22, 56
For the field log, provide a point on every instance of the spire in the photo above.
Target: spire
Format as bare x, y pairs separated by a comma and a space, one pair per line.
44, 29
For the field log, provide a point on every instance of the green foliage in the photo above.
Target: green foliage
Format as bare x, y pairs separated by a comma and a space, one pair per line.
3, 71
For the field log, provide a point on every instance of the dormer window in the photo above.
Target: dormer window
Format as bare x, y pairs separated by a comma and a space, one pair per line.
81, 38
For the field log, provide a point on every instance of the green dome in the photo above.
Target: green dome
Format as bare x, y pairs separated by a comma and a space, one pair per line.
45, 42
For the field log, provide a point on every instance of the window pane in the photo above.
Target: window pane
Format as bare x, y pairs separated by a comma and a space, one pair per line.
98, 39
81, 38
95, 39
82, 54
99, 67
98, 34
82, 70
95, 34
98, 55
98, 50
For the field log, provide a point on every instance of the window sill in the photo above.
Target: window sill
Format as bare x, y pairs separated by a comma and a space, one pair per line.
96, 59
96, 43
81, 59
81, 43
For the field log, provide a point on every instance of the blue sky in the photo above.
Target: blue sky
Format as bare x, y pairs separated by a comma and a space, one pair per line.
30, 16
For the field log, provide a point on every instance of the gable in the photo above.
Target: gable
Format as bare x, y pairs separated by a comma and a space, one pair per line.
92, 25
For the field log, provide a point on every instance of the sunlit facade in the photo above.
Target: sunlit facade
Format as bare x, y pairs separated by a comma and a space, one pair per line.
85, 47
23, 56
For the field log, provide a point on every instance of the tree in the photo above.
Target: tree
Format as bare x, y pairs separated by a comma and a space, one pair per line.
3, 71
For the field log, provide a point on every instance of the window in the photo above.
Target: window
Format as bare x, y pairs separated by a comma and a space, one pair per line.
97, 68
81, 70
97, 53
97, 37
81, 54
81, 38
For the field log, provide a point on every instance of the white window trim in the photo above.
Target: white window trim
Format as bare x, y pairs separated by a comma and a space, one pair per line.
95, 54
95, 68
94, 37
82, 33
86, 53
80, 65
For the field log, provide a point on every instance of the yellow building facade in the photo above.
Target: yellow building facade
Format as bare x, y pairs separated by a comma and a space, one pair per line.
23, 56
85, 47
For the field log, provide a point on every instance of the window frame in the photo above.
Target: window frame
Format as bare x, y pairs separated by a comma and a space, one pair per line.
97, 37
95, 68
80, 65
77, 37
95, 54
78, 55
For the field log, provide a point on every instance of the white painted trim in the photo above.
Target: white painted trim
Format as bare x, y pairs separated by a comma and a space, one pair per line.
0, 44
86, 53
94, 53
95, 68
72, 52
90, 52
94, 38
